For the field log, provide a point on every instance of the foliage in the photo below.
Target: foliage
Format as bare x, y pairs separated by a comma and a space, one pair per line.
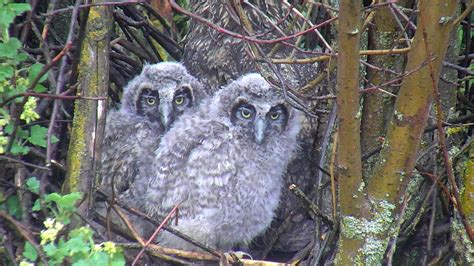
16, 76
77, 246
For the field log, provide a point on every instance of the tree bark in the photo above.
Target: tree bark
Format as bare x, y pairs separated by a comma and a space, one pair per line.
89, 116
348, 164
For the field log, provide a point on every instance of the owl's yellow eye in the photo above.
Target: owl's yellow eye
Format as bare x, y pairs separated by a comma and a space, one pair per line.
179, 100
274, 116
150, 100
245, 113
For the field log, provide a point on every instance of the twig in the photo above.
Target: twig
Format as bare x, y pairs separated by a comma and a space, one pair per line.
172, 212
26, 234
243, 37
464, 14
171, 251
169, 229
25, 163
327, 57
315, 209
442, 140
117, 3
61, 80
129, 225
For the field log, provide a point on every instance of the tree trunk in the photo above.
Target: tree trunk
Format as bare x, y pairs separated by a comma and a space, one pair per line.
89, 115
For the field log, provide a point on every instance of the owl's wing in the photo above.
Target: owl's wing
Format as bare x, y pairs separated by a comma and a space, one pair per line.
181, 161
122, 151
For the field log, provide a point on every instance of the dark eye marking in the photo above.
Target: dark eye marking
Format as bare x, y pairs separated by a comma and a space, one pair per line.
183, 96
147, 97
277, 112
242, 111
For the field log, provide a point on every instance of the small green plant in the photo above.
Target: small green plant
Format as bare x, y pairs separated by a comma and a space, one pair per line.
75, 246
16, 77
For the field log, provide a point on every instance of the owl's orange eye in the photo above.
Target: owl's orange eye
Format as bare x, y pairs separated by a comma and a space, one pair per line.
151, 100
179, 100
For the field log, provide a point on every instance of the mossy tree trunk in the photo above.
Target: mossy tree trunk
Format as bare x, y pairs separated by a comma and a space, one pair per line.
348, 163
377, 107
89, 115
365, 235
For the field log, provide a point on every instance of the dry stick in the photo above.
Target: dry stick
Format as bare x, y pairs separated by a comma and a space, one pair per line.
60, 96
310, 60
118, 3
442, 141
25, 163
153, 248
61, 81
169, 229
298, 13
244, 37
26, 234
400, 78
464, 14
172, 212
315, 209
256, 50
274, 25
401, 14
129, 225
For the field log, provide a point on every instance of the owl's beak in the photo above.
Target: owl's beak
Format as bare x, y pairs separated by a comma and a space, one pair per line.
259, 127
165, 115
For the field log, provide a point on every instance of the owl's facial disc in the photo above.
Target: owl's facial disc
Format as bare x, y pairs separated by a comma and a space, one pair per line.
173, 107
261, 121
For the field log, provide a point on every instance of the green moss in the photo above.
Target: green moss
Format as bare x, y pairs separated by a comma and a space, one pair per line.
374, 232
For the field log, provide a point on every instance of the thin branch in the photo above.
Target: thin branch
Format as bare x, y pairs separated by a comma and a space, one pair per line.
61, 80
442, 139
327, 57
315, 209
243, 37
158, 229
26, 234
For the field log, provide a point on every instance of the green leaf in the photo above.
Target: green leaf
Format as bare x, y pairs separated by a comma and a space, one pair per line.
50, 249
34, 70
118, 259
36, 206
33, 184
6, 17
99, 258
66, 202
18, 149
13, 206
52, 197
10, 48
81, 262
6, 72
38, 135
77, 245
19, 8
40, 88
30, 252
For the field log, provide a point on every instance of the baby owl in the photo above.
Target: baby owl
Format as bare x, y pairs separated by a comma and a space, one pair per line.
150, 104
224, 163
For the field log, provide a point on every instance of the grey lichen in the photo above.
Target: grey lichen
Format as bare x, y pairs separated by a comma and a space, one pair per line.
463, 244
374, 232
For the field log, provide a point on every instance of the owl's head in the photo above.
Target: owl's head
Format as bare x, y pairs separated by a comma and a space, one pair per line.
161, 93
253, 107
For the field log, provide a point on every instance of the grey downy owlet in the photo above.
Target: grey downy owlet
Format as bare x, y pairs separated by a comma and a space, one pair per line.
224, 163
151, 103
